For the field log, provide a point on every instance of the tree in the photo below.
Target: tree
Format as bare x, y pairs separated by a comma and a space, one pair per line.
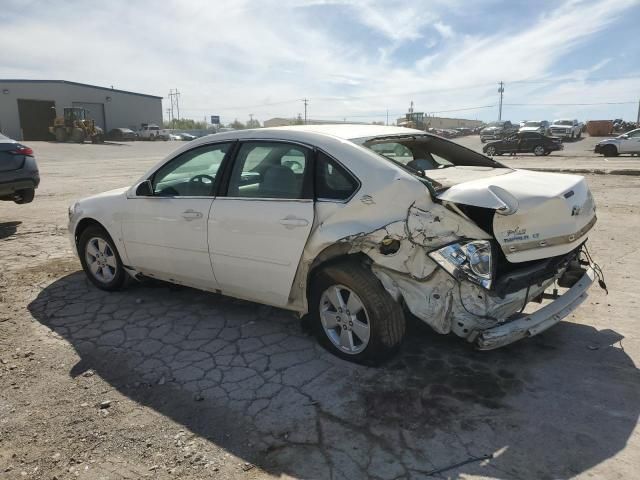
237, 125
253, 123
185, 124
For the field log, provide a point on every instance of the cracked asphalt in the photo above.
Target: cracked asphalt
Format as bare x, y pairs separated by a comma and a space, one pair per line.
162, 381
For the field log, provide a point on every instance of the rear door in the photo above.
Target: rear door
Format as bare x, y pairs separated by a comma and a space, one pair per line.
258, 230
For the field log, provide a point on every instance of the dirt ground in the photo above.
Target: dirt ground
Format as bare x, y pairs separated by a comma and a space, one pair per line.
165, 382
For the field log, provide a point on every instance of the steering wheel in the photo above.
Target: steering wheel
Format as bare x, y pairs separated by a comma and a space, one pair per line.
201, 179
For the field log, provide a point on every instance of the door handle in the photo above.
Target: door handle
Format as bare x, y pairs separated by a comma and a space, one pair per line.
292, 222
191, 215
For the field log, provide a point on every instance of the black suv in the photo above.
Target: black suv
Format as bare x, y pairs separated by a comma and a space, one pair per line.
524, 142
19, 176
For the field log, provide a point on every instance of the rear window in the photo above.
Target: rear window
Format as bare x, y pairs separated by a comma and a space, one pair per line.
425, 152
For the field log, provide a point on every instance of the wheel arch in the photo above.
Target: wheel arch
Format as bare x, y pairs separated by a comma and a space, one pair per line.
85, 223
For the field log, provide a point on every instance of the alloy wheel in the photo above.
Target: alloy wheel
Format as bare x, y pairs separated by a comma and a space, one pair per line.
344, 319
101, 260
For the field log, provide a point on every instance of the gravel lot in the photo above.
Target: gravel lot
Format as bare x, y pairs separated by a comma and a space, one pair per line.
161, 382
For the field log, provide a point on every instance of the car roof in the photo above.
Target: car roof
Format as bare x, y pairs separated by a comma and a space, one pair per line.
348, 131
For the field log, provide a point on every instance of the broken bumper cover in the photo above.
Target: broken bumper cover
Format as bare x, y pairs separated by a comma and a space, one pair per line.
529, 325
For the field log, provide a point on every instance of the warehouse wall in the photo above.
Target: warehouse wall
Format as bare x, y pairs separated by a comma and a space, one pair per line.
120, 110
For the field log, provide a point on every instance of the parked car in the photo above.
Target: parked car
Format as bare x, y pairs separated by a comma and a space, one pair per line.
539, 126
122, 134
19, 175
187, 137
626, 143
497, 131
153, 132
524, 142
311, 219
564, 128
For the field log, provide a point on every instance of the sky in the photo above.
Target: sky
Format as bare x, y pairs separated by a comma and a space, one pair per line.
353, 60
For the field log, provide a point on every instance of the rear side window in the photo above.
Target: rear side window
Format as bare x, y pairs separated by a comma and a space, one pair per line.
332, 181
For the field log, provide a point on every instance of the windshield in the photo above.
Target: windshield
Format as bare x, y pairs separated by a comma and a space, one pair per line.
418, 154
495, 124
564, 122
532, 124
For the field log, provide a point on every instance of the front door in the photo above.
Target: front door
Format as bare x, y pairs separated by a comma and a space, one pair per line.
257, 232
165, 234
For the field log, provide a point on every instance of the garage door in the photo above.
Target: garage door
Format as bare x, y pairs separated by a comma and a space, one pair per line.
36, 116
96, 112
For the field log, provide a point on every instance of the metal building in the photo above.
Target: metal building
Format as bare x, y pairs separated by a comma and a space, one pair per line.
28, 107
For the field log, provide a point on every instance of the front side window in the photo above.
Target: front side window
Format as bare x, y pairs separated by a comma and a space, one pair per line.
269, 170
191, 174
634, 134
332, 181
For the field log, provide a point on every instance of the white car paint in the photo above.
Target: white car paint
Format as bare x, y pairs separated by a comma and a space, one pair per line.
626, 143
264, 249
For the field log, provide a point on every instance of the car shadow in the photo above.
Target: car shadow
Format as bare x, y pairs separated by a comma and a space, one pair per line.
250, 379
8, 229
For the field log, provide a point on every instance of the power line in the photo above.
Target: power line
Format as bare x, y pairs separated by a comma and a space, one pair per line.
567, 104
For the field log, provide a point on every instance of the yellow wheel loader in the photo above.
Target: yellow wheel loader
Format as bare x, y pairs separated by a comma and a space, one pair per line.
76, 126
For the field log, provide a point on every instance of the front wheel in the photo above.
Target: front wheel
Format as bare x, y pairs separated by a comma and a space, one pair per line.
610, 151
538, 150
354, 317
491, 150
100, 259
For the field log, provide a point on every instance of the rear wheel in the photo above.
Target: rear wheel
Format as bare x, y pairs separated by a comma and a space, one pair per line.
354, 317
24, 196
610, 151
100, 259
491, 150
61, 134
538, 150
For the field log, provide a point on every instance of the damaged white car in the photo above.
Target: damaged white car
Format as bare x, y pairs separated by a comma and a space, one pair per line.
355, 225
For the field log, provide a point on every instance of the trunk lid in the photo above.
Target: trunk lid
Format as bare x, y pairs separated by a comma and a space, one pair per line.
538, 214
9, 161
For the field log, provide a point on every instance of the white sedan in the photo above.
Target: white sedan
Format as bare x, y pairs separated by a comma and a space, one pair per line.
329, 221
626, 143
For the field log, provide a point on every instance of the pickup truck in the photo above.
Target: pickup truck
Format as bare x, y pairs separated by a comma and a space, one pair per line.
152, 132
565, 128
497, 131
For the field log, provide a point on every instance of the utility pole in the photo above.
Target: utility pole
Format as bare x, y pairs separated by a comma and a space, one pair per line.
305, 101
387, 116
638, 119
174, 99
501, 92
169, 114
251, 120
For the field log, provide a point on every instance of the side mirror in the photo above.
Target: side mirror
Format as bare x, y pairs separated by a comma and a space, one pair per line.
144, 189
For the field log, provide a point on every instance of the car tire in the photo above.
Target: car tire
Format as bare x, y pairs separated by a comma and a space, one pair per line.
374, 333
579, 135
100, 259
538, 150
491, 150
24, 196
610, 151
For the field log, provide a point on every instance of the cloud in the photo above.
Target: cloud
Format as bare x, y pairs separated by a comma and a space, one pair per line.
358, 58
443, 29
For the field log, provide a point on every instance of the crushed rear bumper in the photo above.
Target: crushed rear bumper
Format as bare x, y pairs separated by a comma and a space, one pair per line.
522, 325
